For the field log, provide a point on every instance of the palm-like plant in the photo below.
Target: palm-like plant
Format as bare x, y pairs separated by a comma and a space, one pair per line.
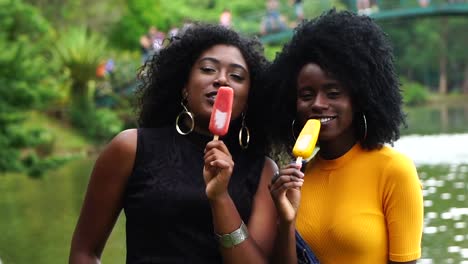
81, 52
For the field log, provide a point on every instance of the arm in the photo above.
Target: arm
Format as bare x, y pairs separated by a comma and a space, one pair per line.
262, 226
403, 209
285, 191
103, 200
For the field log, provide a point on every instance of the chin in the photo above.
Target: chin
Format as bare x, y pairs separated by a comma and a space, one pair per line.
324, 138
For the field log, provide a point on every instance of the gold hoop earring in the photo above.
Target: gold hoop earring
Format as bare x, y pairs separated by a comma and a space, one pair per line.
186, 112
241, 134
292, 129
365, 126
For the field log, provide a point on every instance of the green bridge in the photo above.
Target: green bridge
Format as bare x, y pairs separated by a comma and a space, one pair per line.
387, 10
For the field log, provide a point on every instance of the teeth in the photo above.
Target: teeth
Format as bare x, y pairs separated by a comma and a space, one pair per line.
325, 119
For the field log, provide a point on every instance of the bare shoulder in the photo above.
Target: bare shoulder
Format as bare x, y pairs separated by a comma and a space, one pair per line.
118, 156
269, 168
125, 141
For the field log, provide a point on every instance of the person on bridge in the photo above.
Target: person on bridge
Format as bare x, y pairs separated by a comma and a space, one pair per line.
360, 200
187, 198
273, 21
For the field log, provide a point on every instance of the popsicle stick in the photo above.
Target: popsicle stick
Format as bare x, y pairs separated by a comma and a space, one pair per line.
216, 137
299, 161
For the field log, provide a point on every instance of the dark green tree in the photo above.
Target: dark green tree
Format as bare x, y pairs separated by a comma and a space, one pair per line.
26, 81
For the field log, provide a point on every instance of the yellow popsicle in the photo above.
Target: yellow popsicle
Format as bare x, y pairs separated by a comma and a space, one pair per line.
306, 141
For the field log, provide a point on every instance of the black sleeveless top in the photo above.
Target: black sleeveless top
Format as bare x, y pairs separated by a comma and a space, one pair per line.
168, 215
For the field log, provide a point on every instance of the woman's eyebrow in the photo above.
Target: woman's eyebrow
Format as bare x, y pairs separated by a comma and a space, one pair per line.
216, 61
331, 85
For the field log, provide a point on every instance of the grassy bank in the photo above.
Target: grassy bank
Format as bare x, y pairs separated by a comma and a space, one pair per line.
67, 140
451, 99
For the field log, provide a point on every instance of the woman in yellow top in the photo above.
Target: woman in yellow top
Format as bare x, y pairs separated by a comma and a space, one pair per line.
360, 200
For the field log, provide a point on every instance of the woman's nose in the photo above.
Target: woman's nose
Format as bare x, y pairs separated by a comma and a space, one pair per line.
221, 80
320, 101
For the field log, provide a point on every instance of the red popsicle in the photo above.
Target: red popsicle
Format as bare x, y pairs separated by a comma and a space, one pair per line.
221, 113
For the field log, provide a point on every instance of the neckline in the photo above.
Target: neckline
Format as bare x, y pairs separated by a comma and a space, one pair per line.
196, 139
199, 141
340, 161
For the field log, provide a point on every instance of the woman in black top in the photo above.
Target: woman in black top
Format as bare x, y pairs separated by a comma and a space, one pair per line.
186, 196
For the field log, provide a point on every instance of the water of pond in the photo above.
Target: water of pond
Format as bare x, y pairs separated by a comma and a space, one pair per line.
437, 119
37, 216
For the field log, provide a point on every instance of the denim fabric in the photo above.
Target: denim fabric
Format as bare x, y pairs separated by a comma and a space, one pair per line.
303, 251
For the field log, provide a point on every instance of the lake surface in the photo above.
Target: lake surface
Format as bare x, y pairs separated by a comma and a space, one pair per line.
435, 149
37, 216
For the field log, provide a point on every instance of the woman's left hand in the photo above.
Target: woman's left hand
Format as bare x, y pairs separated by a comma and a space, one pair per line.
218, 169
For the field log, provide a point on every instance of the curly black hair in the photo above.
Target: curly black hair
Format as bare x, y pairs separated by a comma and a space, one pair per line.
354, 50
165, 74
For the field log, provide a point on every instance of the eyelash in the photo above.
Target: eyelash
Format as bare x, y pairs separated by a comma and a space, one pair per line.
306, 96
207, 69
309, 96
238, 77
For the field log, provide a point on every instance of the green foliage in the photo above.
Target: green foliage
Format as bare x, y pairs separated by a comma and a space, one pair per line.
80, 52
37, 166
315, 8
26, 79
139, 16
414, 93
271, 51
116, 89
99, 124
98, 15
18, 19
414, 49
420, 47
458, 53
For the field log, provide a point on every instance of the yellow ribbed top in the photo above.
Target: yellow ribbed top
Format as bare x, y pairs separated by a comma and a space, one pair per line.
364, 207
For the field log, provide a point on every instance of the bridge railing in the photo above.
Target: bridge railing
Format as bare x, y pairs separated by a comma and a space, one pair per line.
383, 9
390, 9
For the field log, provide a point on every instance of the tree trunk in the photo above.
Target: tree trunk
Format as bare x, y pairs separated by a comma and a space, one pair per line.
79, 97
443, 58
465, 81
443, 74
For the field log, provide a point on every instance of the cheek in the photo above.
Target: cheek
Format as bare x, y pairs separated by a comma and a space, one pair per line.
239, 104
347, 117
241, 97
302, 110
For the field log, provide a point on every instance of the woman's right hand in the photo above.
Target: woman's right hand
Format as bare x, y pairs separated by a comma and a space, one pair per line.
217, 170
285, 190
